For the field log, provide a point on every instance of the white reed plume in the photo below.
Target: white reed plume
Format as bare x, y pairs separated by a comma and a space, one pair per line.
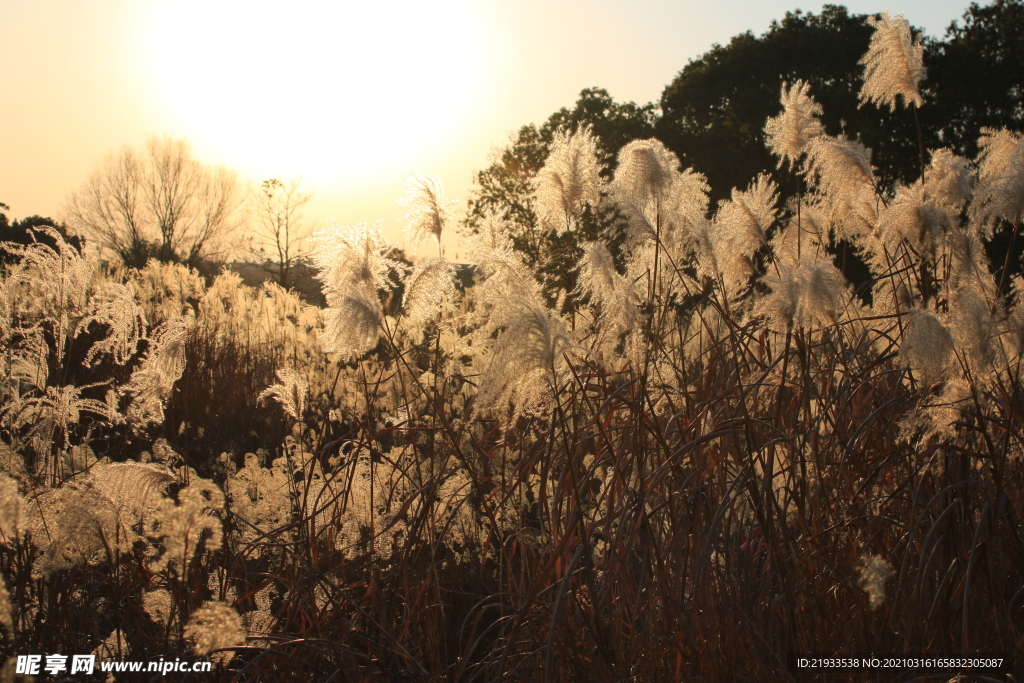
290, 393
874, 573
501, 265
804, 241
165, 289
948, 179
114, 306
58, 276
855, 217
215, 626
806, 294
914, 217
353, 266
893, 64
740, 228
662, 202
159, 605
841, 167
57, 411
999, 194
48, 282
746, 218
569, 180
77, 523
152, 382
353, 257
353, 323
134, 488
430, 286
646, 171
606, 288
789, 133
186, 525
969, 265
927, 346
13, 511
528, 358
429, 210
975, 331
261, 496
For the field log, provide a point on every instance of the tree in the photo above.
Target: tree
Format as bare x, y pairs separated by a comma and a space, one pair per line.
714, 111
977, 74
278, 225
158, 203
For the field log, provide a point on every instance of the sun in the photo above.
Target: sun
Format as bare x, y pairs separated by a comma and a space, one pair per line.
338, 91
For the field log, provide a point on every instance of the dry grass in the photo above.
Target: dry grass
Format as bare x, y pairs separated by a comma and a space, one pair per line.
722, 460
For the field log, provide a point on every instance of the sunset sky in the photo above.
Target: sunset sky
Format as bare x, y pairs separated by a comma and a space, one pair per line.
352, 97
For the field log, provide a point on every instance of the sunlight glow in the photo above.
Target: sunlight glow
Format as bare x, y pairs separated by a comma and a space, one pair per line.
350, 88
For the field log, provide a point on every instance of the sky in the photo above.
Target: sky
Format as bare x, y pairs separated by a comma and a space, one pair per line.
351, 97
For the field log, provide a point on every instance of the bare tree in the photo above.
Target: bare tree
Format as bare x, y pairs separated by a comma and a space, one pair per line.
279, 228
160, 202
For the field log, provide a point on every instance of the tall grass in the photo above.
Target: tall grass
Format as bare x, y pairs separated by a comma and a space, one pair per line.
722, 458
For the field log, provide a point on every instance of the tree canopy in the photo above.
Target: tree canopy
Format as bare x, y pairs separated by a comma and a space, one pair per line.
158, 203
713, 112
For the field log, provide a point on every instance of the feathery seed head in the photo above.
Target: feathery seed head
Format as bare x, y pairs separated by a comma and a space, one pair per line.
215, 626
606, 288
808, 294
974, 330
353, 323
948, 179
927, 346
12, 511
528, 358
874, 572
152, 382
646, 171
431, 284
57, 276
666, 207
159, 605
187, 524
999, 194
353, 266
6, 613
429, 210
840, 166
893, 64
790, 132
353, 257
290, 393
115, 307
915, 218
569, 179
745, 219
135, 488
491, 241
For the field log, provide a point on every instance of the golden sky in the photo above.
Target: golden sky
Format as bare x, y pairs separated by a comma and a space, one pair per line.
351, 96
